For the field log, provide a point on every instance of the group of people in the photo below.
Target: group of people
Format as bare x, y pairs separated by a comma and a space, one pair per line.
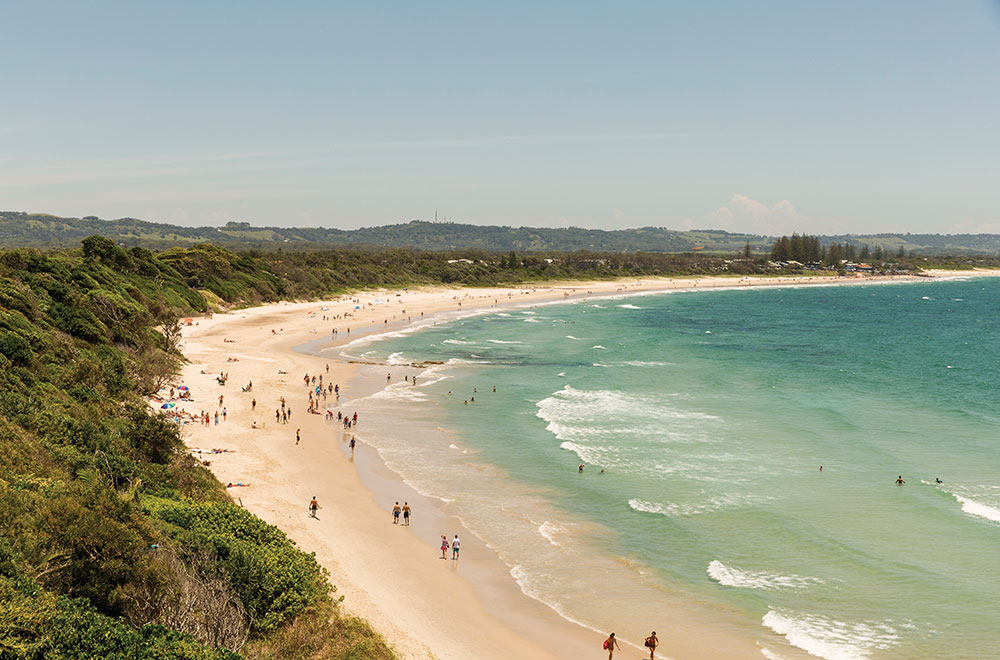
611, 644
404, 510
456, 546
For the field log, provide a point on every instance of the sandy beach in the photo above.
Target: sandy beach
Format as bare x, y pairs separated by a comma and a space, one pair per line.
391, 575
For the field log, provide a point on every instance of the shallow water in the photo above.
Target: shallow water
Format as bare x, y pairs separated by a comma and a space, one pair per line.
711, 413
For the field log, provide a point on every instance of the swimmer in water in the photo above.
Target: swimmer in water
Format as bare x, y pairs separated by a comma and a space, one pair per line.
937, 480
899, 480
580, 469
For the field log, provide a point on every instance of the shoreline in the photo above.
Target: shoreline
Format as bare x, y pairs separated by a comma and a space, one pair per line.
482, 610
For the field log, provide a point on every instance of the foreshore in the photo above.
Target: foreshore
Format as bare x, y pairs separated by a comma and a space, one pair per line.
390, 575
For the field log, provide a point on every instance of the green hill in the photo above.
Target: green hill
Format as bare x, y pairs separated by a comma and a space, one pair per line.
114, 542
38, 230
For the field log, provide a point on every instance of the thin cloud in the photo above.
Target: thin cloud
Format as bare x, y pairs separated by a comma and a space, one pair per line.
127, 169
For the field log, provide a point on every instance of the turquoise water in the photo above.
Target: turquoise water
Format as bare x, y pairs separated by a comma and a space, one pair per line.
711, 413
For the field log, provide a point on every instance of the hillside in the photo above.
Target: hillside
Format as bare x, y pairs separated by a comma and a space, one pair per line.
114, 542
38, 230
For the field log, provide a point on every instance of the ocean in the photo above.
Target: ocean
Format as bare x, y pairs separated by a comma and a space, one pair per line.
702, 419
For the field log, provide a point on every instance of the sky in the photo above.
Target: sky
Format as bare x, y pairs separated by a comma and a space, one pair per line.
762, 117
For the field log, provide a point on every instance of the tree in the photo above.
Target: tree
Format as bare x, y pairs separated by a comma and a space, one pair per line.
833, 255
781, 250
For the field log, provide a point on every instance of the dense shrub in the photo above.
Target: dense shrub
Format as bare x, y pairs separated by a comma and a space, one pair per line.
274, 579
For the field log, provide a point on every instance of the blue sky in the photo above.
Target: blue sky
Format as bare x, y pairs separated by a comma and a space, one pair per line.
768, 117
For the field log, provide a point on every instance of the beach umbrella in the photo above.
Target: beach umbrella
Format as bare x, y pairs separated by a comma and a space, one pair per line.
357, 307
182, 388
167, 406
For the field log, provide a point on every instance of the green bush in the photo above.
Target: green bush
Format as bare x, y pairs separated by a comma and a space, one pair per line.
274, 579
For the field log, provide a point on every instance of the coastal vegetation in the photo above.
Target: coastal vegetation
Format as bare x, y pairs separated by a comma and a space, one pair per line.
114, 542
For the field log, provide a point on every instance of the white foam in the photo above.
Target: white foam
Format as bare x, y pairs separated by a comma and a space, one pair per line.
685, 509
453, 446
974, 508
400, 391
598, 347
396, 359
573, 338
532, 321
598, 364
770, 655
629, 306
458, 341
641, 363
550, 530
572, 406
501, 341
731, 576
831, 639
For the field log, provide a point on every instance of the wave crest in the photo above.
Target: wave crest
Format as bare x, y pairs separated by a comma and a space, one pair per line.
731, 576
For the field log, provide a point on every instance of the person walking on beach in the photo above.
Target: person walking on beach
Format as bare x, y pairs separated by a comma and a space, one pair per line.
651, 643
406, 514
444, 546
395, 514
298, 435
456, 545
313, 506
609, 645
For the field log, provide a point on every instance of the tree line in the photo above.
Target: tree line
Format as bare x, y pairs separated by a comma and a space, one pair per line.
809, 250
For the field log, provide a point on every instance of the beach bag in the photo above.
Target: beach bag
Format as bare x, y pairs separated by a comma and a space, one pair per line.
605, 645
649, 642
